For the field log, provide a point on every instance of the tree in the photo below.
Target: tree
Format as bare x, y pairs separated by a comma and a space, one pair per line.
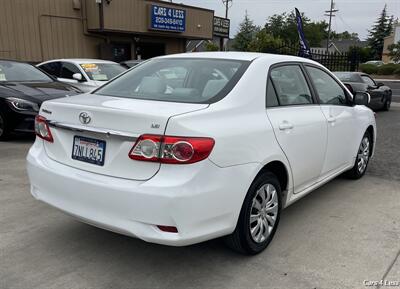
246, 33
394, 51
382, 28
211, 46
345, 35
284, 26
265, 42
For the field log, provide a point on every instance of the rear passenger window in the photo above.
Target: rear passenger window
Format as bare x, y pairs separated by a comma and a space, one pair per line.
290, 85
272, 99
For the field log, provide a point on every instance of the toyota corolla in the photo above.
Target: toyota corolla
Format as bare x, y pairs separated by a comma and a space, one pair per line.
191, 147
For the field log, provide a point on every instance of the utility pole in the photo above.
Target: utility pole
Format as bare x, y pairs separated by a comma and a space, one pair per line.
330, 14
226, 3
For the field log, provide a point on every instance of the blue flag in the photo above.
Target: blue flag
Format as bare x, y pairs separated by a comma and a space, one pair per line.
304, 50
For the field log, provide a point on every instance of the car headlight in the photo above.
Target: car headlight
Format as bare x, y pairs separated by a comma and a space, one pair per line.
22, 104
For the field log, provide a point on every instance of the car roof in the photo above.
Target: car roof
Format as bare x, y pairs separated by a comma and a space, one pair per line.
236, 55
80, 60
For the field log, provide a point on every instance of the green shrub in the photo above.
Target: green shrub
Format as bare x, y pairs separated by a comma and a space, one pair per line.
369, 68
397, 71
387, 69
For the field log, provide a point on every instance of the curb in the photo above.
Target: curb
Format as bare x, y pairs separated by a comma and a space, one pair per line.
395, 104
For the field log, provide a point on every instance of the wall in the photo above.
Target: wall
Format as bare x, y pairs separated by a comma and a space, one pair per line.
133, 16
37, 30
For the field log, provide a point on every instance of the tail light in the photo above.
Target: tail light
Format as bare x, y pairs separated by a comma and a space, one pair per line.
171, 149
42, 128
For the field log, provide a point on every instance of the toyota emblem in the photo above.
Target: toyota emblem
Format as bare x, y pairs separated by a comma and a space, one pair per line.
84, 117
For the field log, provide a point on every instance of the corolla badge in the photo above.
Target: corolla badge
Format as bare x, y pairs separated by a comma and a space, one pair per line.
85, 118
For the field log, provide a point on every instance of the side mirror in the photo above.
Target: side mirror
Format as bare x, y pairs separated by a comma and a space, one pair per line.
361, 98
379, 84
77, 76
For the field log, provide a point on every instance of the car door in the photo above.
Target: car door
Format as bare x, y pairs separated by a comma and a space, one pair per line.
338, 111
375, 92
298, 122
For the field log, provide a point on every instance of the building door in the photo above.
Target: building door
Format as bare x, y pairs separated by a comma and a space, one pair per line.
149, 50
120, 51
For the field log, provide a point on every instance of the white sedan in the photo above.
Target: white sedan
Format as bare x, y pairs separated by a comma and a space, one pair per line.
86, 74
191, 147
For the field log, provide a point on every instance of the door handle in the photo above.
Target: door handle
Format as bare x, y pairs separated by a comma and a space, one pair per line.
331, 119
285, 126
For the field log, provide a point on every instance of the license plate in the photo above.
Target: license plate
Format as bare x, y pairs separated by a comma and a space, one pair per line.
89, 150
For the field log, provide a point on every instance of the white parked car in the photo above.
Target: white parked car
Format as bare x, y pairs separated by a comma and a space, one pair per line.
190, 147
86, 74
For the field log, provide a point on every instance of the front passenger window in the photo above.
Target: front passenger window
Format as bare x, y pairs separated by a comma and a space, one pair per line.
290, 85
329, 91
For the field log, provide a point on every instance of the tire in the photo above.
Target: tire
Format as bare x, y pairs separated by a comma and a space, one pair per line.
4, 130
242, 240
386, 105
362, 158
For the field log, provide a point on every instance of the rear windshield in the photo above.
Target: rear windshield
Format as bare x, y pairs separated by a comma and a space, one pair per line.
178, 79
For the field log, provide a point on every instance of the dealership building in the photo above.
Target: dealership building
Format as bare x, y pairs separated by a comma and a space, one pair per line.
38, 30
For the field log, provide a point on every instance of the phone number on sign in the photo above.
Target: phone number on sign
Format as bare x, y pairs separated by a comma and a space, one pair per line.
161, 20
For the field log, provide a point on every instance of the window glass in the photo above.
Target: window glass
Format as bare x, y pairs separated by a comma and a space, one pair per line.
52, 68
102, 71
348, 76
290, 85
329, 91
368, 80
68, 69
272, 99
18, 71
181, 80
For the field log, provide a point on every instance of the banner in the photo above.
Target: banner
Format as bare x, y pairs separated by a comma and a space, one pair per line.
304, 50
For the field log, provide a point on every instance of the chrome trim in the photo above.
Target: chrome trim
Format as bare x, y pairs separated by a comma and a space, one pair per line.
81, 128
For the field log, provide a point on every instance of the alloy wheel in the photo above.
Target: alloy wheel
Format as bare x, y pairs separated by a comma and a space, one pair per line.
263, 213
363, 155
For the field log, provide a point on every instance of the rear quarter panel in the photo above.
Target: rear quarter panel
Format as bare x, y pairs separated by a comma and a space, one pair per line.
238, 123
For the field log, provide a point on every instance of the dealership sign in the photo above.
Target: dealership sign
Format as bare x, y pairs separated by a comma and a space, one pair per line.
167, 19
221, 27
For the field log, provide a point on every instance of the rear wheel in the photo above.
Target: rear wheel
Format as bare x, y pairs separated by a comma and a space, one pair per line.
362, 159
4, 131
259, 216
386, 105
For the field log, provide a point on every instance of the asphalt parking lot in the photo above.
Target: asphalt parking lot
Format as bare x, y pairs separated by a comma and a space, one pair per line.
342, 235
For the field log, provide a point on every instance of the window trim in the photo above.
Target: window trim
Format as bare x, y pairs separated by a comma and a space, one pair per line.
348, 97
314, 99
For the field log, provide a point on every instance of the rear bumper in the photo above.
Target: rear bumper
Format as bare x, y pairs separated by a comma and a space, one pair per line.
202, 200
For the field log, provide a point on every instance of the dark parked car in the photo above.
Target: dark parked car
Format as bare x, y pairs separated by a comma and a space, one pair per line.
381, 95
23, 88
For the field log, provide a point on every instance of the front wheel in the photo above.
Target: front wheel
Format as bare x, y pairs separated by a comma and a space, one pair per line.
4, 131
259, 216
362, 159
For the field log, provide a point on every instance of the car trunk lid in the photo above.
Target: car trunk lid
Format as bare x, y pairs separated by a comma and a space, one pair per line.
114, 125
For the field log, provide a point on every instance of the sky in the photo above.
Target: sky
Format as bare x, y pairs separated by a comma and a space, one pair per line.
354, 15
